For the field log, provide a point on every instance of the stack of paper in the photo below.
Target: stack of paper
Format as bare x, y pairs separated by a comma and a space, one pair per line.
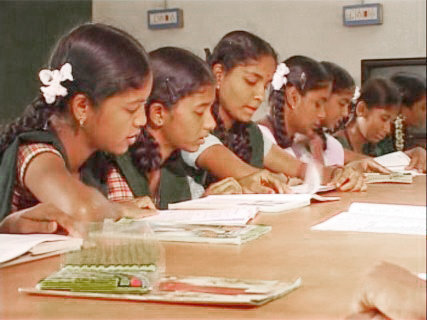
380, 218
196, 290
262, 202
208, 233
394, 177
396, 162
227, 216
18, 248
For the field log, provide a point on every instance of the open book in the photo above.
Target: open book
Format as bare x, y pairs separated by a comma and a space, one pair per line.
396, 162
380, 218
208, 233
189, 290
18, 248
263, 202
227, 216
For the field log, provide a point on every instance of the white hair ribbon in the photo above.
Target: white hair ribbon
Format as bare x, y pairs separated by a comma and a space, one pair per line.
279, 77
52, 82
356, 94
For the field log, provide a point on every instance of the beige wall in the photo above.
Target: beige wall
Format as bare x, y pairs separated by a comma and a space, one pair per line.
308, 27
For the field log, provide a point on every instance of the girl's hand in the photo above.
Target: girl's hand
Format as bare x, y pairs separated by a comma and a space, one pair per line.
390, 292
348, 179
264, 181
139, 207
368, 165
418, 159
224, 186
42, 218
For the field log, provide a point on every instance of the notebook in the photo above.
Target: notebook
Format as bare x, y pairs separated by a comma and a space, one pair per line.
263, 202
379, 218
208, 233
193, 290
18, 248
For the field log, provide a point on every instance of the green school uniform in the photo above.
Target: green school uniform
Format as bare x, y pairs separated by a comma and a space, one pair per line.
370, 149
8, 161
256, 142
173, 187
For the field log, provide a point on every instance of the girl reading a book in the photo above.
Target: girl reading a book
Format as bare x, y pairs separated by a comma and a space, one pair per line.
301, 88
92, 99
179, 118
243, 65
376, 110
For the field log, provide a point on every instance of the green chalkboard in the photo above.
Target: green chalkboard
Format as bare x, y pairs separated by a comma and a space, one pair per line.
28, 33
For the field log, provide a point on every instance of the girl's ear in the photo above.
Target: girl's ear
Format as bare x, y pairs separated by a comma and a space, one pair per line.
218, 71
157, 114
80, 106
361, 109
293, 97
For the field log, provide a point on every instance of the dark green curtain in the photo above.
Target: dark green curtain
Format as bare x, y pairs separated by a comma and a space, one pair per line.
28, 32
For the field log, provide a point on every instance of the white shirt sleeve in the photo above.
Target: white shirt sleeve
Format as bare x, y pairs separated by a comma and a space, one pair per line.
268, 139
191, 157
334, 153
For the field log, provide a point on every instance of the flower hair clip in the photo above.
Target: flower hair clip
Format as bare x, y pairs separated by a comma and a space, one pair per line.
279, 77
356, 95
52, 82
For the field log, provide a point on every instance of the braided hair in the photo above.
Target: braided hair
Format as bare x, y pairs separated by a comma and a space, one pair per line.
177, 74
96, 53
234, 49
305, 74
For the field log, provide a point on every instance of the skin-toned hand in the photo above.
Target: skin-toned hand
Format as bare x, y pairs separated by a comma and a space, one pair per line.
418, 159
368, 165
348, 179
139, 207
42, 218
265, 181
390, 292
224, 186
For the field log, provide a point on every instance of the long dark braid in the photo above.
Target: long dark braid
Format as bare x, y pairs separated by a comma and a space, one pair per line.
236, 139
277, 118
145, 153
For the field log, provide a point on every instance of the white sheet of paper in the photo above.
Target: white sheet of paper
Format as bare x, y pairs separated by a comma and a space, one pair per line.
15, 245
379, 218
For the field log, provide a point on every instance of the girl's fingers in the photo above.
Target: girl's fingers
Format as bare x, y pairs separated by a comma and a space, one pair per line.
144, 203
36, 226
48, 217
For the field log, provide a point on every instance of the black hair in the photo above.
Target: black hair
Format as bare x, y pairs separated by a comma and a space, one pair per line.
177, 73
104, 61
341, 81
237, 48
379, 92
412, 87
341, 78
305, 74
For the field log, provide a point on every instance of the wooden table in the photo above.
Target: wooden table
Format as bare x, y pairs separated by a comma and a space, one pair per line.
331, 265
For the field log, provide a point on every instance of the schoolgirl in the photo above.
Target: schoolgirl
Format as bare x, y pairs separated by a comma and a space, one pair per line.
91, 99
179, 118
